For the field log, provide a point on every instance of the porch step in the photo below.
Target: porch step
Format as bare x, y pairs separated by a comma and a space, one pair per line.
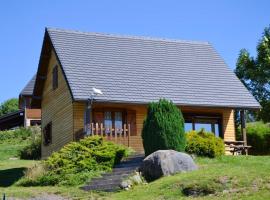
110, 181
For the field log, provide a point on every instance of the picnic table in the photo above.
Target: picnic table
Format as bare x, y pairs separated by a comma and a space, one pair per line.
237, 147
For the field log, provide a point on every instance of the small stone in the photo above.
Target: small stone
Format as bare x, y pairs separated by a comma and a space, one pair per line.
136, 179
125, 184
13, 158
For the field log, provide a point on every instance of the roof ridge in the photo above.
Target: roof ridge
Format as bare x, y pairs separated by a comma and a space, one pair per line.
128, 36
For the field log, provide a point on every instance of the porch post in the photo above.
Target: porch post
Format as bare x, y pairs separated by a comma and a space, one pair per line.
243, 128
87, 117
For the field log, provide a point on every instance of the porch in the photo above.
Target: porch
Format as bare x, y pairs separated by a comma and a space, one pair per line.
117, 135
123, 123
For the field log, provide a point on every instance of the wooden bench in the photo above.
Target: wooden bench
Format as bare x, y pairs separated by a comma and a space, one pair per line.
237, 147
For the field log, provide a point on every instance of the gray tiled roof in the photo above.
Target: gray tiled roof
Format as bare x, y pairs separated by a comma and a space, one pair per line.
28, 89
140, 70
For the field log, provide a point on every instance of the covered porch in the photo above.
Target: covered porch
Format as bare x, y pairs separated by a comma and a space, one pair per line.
123, 123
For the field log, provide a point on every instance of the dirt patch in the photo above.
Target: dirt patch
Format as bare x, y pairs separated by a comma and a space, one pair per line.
197, 191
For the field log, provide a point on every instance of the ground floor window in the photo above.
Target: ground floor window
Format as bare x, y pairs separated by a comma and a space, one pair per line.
113, 119
47, 134
210, 123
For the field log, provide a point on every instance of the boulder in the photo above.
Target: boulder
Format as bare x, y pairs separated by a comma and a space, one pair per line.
164, 163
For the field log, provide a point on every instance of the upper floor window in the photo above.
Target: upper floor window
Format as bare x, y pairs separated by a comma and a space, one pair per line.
55, 77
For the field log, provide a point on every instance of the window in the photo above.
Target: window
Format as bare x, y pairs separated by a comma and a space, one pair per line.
112, 119
35, 122
115, 118
107, 121
207, 122
55, 77
118, 123
47, 134
188, 126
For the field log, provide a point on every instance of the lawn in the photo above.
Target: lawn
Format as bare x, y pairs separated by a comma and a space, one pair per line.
228, 177
12, 169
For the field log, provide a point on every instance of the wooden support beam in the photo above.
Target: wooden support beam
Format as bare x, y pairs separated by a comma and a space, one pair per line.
243, 128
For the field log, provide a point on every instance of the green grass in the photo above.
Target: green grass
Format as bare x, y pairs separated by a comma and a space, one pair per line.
11, 170
10, 149
228, 177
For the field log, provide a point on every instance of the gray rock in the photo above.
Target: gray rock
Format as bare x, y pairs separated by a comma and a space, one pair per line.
136, 179
164, 163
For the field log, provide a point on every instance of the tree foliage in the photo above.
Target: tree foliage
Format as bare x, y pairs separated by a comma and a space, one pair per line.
255, 73
9, 106
163, 128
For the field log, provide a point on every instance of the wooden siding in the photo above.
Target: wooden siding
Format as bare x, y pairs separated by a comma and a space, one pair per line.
33, 113
141, 110
57, 108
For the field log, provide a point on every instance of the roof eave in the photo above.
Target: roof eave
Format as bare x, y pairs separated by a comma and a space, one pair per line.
236, 107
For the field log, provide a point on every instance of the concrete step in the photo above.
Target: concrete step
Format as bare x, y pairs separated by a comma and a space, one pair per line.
109, 177
105, 182
116, 174
103, 187
110, 181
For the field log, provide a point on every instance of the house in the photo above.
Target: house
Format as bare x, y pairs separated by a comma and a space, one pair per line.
25, 116
31, 116
131, 72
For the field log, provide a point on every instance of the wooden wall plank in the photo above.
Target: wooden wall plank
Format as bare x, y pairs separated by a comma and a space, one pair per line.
57, 108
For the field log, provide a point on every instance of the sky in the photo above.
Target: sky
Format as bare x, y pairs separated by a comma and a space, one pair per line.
229, 25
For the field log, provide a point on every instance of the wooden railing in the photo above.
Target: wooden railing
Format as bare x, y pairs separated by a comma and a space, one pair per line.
117, 135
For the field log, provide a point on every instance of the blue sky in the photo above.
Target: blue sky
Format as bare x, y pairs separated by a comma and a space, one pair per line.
228, 24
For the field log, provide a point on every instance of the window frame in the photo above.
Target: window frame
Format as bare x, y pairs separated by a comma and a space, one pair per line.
47, 134
55, 77
112, 111
113, 116
213, 119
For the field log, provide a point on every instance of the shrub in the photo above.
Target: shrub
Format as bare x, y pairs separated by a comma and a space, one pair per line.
78, 161
32, 151
163, 128
17, 134
204, 144
258, 136
31, 175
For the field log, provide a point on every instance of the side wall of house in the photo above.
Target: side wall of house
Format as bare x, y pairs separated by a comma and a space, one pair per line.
141, 110
57, 108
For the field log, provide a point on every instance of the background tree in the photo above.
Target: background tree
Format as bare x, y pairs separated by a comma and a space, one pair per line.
8, 106
163, 128
255, 74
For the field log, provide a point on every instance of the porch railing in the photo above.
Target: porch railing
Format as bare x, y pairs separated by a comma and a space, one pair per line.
117, 135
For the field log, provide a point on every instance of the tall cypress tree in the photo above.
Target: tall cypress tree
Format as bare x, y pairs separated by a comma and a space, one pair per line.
163, 128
